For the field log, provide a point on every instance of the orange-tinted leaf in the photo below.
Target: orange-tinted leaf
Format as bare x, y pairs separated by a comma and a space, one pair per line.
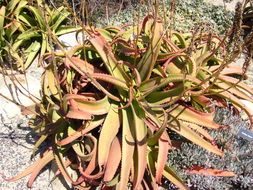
141, 143
113, 160
34, 168
105, 51
108, 132
111, 79
164, 146
88, 126
193, 116
210, 172
154, 27
81, 66
184, 130
78, 114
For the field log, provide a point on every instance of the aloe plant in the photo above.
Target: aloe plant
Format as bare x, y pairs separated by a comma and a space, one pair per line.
113, 106
26, 27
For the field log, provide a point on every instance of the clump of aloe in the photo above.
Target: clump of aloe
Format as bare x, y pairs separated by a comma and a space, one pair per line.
113, 107
26, 28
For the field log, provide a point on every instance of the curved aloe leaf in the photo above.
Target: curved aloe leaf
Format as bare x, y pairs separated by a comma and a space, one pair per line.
128, 146
31, 51
34, 168
174, 178
25, 36
113, 161
87, 127
108, 78
161, 97
164, 146
62, 16
141, 143
99, 107
2, 15
66, 29
105, 51
184, 130
194, 116
108, 133
148, 61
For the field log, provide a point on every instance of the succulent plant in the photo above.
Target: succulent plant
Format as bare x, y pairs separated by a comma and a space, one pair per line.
25, 30
113, 107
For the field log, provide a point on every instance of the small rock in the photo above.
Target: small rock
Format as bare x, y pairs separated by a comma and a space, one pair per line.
25, 91
72, 39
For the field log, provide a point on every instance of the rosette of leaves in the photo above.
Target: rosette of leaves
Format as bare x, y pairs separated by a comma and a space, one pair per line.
113, 107
27, 27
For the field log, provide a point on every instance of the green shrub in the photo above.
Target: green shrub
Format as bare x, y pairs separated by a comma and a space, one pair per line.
188, 15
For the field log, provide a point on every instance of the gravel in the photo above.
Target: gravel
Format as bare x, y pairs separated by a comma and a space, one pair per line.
17, 140
16, 145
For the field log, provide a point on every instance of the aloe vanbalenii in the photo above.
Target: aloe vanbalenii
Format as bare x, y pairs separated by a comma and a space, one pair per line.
109, 106
26, 28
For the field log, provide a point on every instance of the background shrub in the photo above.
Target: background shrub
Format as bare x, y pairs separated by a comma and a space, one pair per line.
237, 158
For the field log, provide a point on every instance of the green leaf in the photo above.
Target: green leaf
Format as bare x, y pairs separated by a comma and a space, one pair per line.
98, 107
161, 97
31, 53
27, 35
141, 146
54, 15
51, 81
28, 20
108, 132
44, 44
148, 61
18, 4
38, 17
62, 16
128, 145
66, 29
2, 15
180, 38
174, 178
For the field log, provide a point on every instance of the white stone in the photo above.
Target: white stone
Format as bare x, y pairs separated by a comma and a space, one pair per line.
20, 91
72, 39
